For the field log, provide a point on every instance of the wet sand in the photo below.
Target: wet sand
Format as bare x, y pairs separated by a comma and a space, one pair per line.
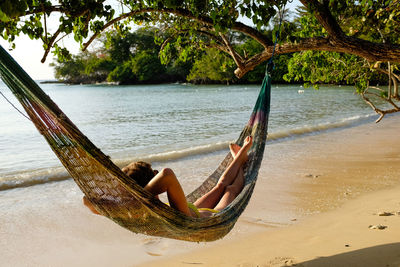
315, 197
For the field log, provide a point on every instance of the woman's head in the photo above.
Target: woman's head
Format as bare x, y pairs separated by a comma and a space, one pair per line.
140, 171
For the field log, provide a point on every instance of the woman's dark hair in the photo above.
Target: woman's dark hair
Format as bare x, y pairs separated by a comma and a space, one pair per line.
139, 171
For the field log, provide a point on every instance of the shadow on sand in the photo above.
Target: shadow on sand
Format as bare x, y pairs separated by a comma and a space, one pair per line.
387, 255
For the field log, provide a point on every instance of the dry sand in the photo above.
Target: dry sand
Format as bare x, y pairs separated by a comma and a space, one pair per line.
337, 238
343, 181
314, 201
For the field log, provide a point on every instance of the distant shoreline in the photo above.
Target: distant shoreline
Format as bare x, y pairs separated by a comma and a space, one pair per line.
150, 83
210, 83
50, 81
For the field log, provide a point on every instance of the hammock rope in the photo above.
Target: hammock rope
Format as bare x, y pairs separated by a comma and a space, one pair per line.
270, 64
114, 194
17, 109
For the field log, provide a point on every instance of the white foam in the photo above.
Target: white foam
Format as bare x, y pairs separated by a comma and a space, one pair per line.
33, 177
41, 176
355, 120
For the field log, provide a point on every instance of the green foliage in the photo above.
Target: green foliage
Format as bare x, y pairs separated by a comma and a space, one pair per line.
122, 73
69, 70
213, 66
28, 17
187, 28
126, 60
318, 67
188, 18
144, 67
367, 20
121, 48
147, 67
259, 12
309, 27
134, 59
99, 66
10, 9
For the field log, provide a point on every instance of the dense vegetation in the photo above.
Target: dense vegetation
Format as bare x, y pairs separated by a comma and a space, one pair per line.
334, 41
134, 58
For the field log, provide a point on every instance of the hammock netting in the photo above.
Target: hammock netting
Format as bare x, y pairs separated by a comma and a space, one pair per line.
114, 194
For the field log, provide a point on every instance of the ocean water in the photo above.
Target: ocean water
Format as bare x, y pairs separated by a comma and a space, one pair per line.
164, 122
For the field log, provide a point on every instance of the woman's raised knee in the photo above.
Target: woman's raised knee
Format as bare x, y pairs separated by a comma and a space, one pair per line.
167, 172
221, 185
234, 189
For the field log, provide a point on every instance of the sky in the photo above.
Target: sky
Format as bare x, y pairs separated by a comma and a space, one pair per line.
28, 53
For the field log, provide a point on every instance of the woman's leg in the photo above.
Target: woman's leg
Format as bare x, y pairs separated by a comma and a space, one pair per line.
166, 181
229, 177
231, 191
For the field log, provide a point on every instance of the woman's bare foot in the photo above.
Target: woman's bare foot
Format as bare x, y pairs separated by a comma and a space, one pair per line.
248, 142
88, 204
234, 148
238, 151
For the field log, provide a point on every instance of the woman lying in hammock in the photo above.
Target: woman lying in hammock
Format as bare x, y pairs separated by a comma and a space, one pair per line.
229, 185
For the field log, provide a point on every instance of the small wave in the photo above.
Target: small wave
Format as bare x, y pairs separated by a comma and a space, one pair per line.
352, 121
177, 154
36, 177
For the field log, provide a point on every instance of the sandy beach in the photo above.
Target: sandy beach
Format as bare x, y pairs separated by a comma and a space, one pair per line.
317, 203
345, 237
347, 186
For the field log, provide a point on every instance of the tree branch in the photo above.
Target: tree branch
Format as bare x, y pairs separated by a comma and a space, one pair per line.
238, 26
379, 111
368, 50
324, 16
56, 8
50, 45
236, 57
395, 79
315, 43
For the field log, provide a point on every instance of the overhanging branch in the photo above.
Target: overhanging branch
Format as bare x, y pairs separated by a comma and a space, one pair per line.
237, 26
50, 44
365, 49
236, 57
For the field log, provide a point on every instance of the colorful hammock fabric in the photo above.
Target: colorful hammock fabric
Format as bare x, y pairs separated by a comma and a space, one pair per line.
114, 194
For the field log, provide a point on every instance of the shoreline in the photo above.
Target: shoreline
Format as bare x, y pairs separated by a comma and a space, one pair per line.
33, 177
339, 185
302, 183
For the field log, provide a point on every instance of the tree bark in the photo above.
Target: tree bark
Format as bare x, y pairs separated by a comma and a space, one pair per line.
337, 41
368, 50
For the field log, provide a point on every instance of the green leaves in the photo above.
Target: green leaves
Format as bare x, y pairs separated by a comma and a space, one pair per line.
11, 9
192, 26
213, 66
309, 27
62, 53
259, 12
319, 67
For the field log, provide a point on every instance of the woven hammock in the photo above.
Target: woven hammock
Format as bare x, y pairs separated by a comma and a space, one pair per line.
114, 194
